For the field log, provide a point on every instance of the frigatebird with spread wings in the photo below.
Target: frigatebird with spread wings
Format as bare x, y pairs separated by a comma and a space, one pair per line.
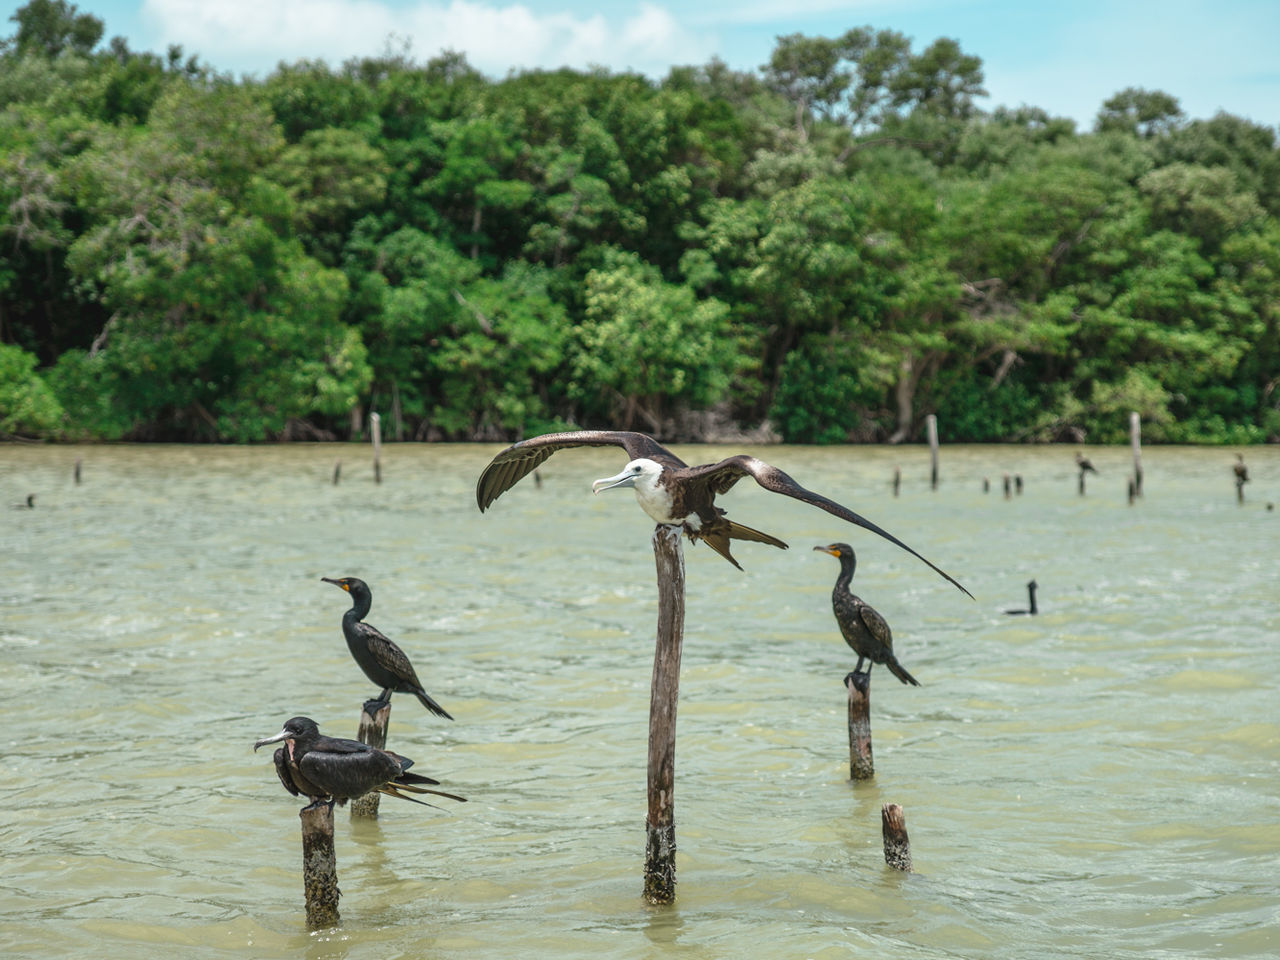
669, 490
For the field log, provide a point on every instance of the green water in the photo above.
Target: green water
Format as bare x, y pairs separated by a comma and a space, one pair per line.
1100, 780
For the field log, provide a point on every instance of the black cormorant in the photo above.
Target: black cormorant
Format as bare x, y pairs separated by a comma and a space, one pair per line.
1083, 463
1031, 599
1242, 471
670, 491
381, 660
330, 768
862, 627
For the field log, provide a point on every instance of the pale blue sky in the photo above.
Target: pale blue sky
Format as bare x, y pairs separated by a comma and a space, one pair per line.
1065, 56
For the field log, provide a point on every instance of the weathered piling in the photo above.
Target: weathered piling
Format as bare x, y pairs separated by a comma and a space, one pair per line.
931, 424
1133, 491
1008, 486
1017, 484
660, 827
861, 764
375, 427
897, 846
986, 484
319, 866
1082, 483
77, 470
1135, 441
897, 480
374, 717
337, 472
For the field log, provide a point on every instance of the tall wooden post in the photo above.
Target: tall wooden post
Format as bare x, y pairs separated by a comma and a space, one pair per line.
77, 470
897, 480
319, 865
931, 424
337, 472
1135, 441
861, 764
375, 425
374, 717
660, 826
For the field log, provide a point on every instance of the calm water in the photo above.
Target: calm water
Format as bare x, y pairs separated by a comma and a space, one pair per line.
1100, 780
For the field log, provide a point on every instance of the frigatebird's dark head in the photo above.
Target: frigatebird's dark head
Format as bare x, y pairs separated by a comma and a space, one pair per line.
295, 728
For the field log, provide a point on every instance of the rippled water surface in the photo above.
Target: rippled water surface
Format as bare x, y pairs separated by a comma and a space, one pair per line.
1100, 780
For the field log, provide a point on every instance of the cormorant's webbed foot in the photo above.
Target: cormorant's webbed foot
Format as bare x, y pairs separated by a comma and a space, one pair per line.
374, 704
861, 680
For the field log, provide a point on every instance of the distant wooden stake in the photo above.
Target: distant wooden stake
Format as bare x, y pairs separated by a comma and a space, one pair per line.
1082, 483
77, 470
897, 480
664, 695
861, 765
931, 424
319, 866
337, 472
375, 425
1135, 441
374, 717
897, 847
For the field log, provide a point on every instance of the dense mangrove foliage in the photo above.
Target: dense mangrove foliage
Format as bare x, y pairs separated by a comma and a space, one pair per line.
824, 250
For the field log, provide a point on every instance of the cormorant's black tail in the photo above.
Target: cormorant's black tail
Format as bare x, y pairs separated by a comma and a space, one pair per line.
425, 699
899, 671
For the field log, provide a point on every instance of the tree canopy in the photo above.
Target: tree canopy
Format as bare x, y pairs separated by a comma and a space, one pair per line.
836, 245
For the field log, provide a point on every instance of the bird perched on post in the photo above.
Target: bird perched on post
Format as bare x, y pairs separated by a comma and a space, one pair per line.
1084, 463
336, 770
670, 491
1241, 471
860, 625
381, 660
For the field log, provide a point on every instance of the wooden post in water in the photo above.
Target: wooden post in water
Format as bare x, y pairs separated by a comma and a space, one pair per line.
931, 424
897, 846
660, 826
77, 472
1135, 441
337, 472
319, 865
375, 425
1008, 487
897, 480
374, 717
861, 765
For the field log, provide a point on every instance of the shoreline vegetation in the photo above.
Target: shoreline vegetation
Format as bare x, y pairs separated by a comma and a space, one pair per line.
824, 250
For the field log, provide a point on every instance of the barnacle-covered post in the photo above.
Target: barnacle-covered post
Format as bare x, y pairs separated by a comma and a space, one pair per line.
893, 830
861, 765
319, 865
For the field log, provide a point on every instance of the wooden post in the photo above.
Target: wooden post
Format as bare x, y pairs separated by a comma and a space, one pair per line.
1082, 483
375, 425
1135, 441
319, 866
374, 717
337, 472
1017, 484
931, 424
77, 473
1008, 487
986, 484
897, 480
1133, 491
660, 826
897, 846
861, 765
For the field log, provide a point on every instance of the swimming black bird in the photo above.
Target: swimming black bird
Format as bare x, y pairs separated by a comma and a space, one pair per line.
669, 490
330, 768
1242, 471
28, 504
860, 625
381, 660
1083, 463
1031, 597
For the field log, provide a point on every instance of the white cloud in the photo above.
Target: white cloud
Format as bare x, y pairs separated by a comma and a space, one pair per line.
253, 35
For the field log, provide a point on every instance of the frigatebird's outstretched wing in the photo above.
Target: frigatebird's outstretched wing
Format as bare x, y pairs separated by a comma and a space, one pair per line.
520, 459
723, 475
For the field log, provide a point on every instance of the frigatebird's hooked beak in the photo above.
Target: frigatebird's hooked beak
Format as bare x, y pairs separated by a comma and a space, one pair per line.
284, 734
627, 478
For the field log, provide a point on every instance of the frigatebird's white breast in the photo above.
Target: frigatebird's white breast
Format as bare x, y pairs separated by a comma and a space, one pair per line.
693, 489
